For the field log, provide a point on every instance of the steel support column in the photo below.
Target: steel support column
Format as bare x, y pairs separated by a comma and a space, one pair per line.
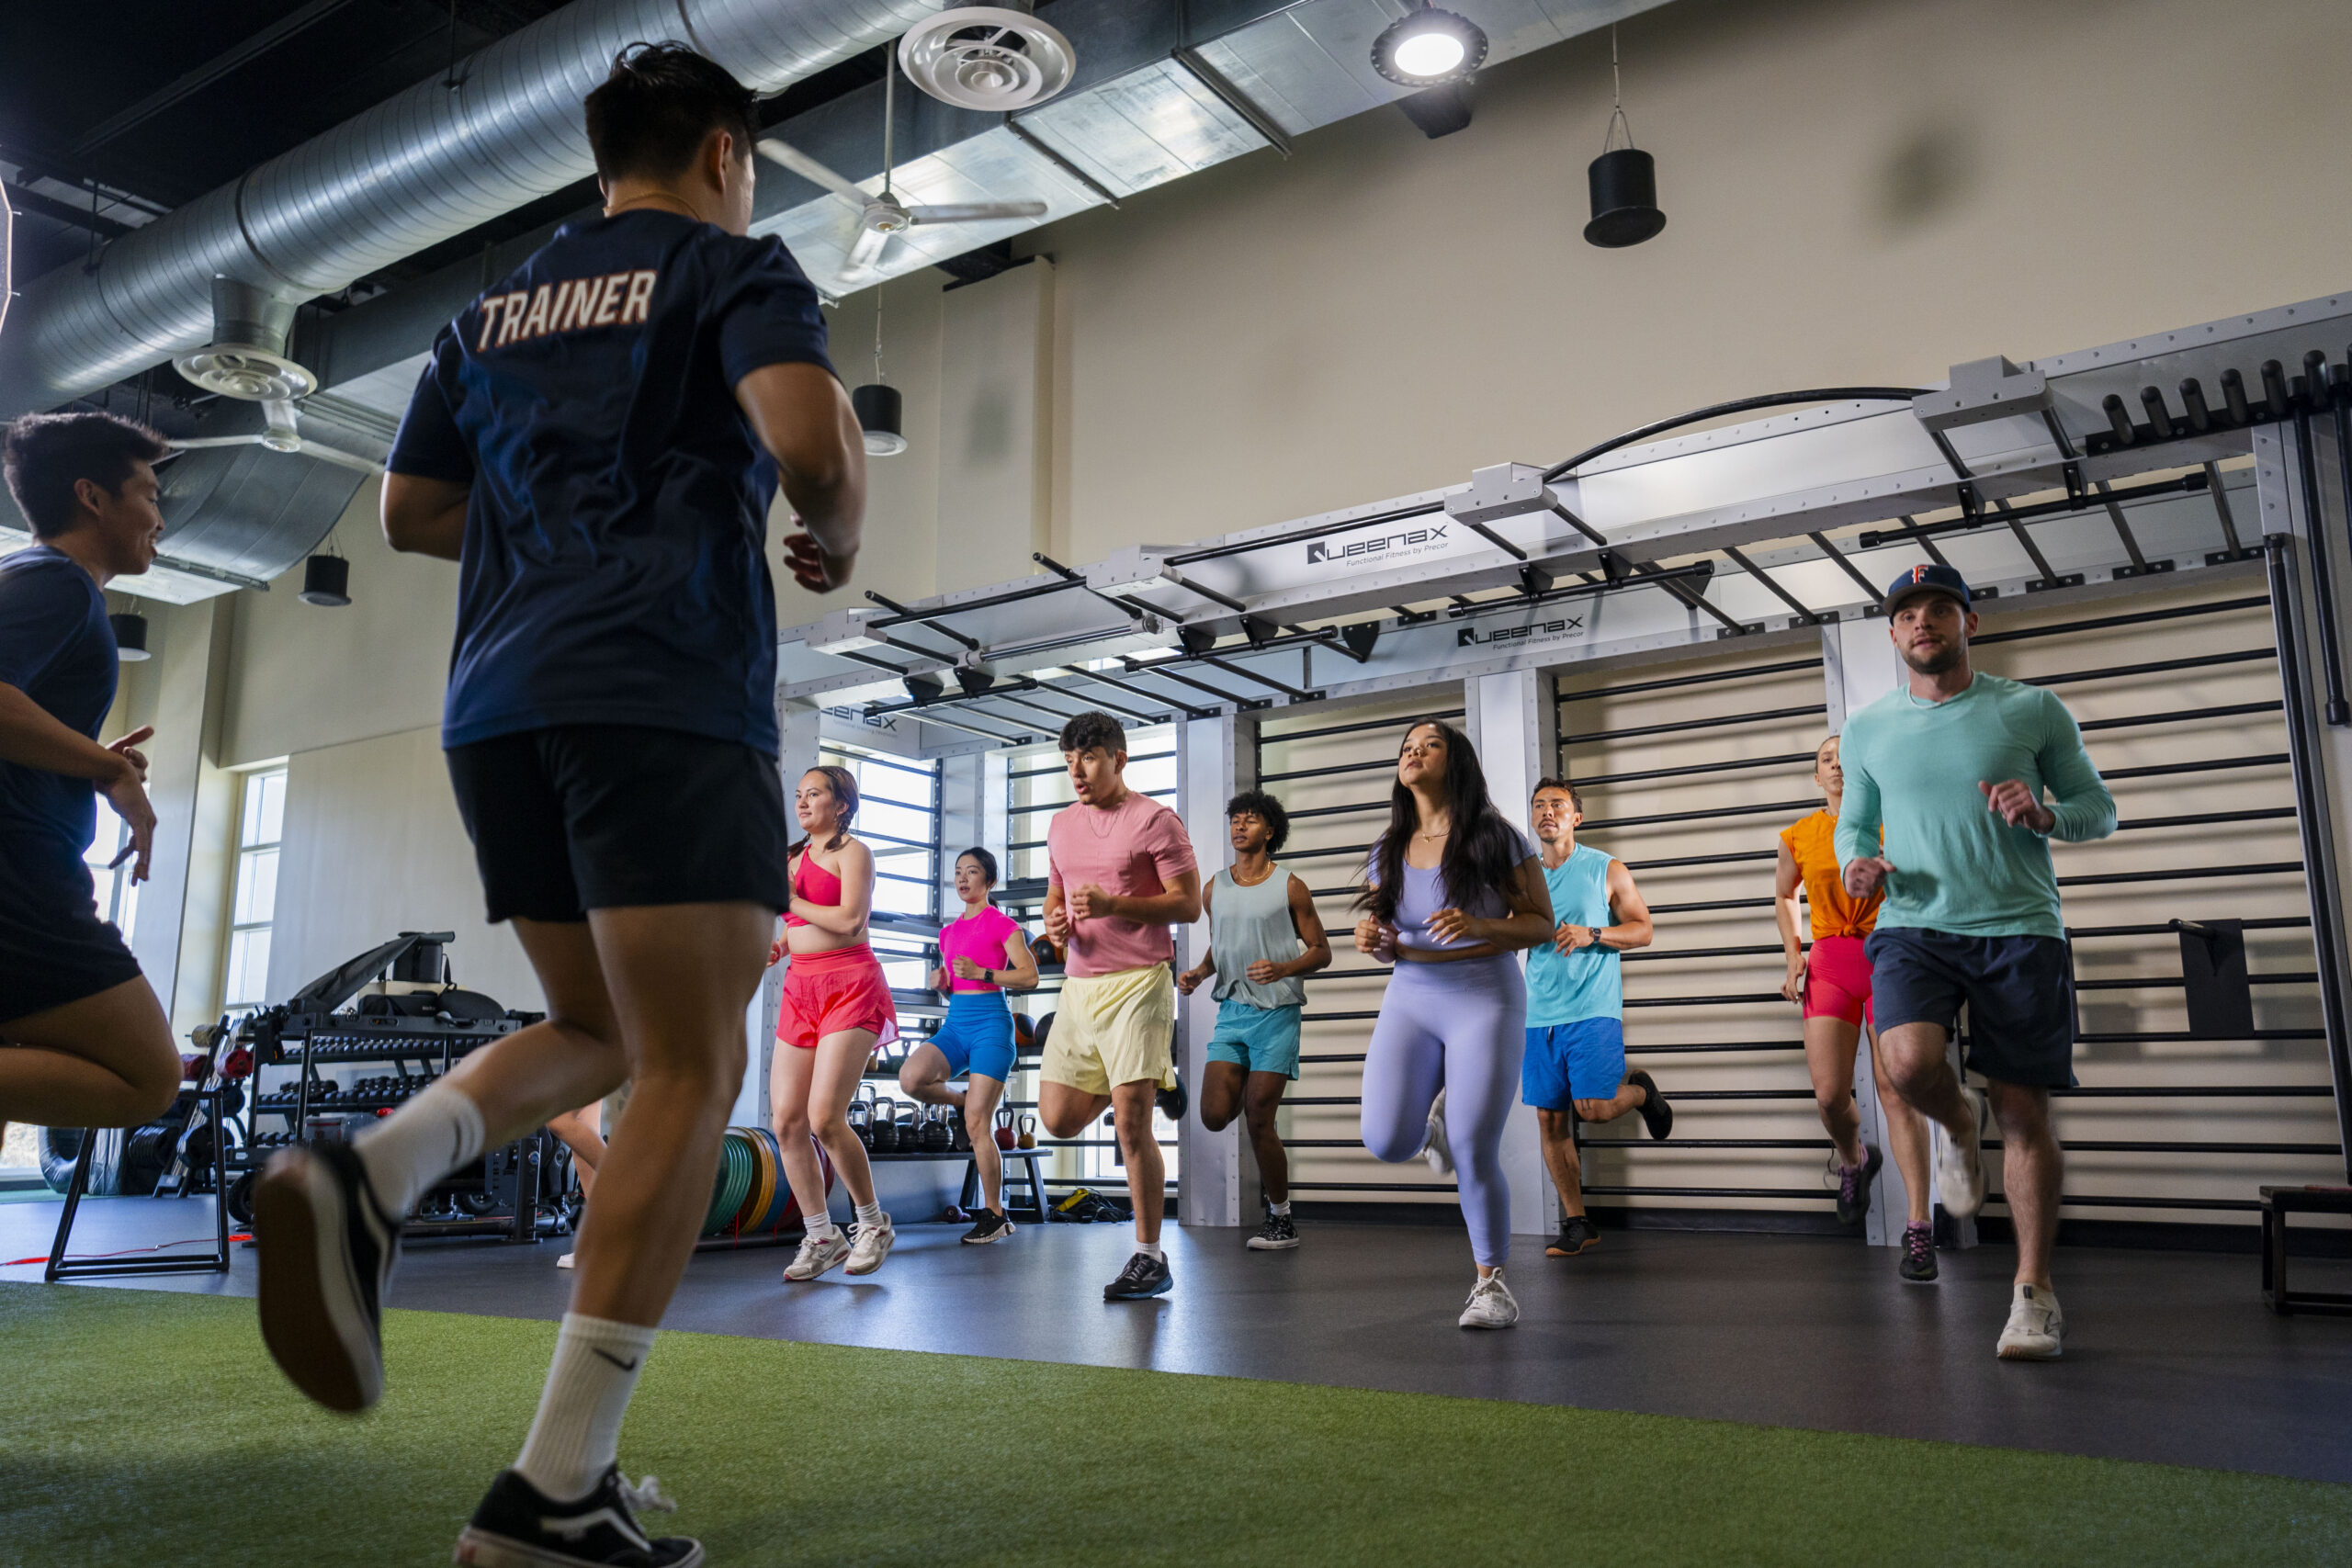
1512, 719
1216, 757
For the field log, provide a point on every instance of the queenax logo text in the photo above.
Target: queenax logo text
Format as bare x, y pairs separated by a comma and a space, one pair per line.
1358, 550
1471, 636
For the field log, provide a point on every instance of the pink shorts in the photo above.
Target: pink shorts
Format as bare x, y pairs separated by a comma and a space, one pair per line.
831, 993
1838, 981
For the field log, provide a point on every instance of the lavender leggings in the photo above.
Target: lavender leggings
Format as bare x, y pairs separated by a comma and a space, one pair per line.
1461, 1027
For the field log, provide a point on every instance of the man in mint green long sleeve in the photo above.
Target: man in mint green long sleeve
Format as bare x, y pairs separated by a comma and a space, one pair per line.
1971, 776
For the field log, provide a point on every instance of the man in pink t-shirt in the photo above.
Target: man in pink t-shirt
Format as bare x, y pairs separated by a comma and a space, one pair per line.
1121, 872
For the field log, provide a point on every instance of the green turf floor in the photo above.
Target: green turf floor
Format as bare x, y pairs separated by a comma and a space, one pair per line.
148, 1428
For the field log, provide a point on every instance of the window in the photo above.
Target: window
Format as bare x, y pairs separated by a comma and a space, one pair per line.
898, 818
118, 894
261, 820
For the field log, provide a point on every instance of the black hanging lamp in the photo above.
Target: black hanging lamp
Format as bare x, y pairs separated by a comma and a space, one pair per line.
130, 636
326, 577
1623, 179
881, 412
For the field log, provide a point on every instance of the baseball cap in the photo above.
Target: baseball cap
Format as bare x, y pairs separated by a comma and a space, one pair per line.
1927, 578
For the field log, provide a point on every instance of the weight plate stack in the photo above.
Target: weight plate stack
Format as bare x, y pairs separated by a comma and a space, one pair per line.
762, 1194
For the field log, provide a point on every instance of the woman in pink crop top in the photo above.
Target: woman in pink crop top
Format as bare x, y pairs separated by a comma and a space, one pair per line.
834, 1010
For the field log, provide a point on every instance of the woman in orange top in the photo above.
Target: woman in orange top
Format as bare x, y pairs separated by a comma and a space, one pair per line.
1833, 982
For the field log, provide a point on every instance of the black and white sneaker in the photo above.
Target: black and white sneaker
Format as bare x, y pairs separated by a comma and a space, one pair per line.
1656, 1114
1143, 1277
1277, 1234
989, 1226
1173, 1100
518, 1527
327, 1250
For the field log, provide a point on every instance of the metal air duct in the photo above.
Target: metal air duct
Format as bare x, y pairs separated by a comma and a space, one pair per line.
420, 167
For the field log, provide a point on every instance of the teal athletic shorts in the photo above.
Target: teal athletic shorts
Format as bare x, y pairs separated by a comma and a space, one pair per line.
1256, 1039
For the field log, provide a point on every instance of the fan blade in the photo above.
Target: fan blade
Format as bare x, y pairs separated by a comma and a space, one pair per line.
194, 442
975, 212
867, 249
342, 458
808, 169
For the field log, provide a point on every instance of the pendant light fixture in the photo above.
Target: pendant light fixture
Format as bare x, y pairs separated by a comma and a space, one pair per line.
326, 577
130, 636
1425, 47
881, 414
1623, 179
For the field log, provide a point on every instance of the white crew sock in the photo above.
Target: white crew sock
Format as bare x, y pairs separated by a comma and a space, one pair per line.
1281, 1208
868, 1214
576, 1435
820, 1226
418, 1145
1150, 1249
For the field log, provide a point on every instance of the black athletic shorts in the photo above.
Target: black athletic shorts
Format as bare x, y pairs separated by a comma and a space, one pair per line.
54, 947
2019, 991
585, 817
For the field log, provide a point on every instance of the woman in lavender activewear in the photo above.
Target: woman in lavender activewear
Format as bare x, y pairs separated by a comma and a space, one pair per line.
1452, 892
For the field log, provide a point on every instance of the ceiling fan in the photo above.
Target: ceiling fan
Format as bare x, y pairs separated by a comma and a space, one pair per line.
280, 433
883, 218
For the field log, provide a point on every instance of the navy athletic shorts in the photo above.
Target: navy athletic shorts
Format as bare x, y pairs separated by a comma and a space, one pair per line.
587, 816
54, 947
2019, 991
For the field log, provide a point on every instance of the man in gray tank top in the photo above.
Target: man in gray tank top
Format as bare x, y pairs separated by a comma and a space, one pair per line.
1264, 937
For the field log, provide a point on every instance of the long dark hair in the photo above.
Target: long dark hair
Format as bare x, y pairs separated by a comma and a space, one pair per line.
1481, 851
844, 787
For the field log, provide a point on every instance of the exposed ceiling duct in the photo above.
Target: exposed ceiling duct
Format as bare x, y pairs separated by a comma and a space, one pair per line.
420, 167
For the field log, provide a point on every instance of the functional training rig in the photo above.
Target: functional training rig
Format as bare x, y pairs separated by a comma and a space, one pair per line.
2091, 476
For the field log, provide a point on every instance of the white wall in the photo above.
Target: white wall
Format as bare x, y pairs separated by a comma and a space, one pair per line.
374, 847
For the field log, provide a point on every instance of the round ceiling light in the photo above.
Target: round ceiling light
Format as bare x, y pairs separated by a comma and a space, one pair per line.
1427, 47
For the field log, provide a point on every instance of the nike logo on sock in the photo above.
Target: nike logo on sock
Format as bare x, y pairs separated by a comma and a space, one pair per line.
628, 1365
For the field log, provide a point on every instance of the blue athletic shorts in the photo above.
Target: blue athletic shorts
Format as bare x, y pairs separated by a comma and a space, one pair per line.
1564, 1062
976, 1035
2019, 991
1256, 1039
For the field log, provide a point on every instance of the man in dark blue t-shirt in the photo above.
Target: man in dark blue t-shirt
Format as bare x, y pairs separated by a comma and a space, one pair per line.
596, 441
83, 1041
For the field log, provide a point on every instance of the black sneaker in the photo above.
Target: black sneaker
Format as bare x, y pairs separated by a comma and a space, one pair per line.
1143, 1277
1277, 1234
1854, 1185
1656, 1114
517, 1527
327, 1250
1578, 1234
989, 1226
1918, 1265
1173, 1100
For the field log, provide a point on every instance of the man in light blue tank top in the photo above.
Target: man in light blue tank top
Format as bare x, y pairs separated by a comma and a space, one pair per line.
1575, 1067
1264, 938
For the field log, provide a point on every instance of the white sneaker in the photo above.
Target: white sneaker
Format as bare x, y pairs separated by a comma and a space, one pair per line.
1959, 1166
873, 1246
2037, 1327
1491, 1305
817, 1254
1436, 1150
565, 1261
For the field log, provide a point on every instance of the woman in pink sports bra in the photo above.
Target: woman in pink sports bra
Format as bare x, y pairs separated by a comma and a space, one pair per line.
835, 1009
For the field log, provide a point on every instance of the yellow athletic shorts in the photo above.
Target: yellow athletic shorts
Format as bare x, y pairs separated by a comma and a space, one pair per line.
1113, 1029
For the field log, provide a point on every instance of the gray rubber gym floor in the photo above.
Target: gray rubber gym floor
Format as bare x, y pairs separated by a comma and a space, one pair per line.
2170, 1356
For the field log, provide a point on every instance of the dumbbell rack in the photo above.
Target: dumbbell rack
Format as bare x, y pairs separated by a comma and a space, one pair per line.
418, 1050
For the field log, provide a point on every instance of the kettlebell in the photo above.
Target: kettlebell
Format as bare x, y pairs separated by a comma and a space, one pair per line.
909, 1128
884, 1126
959, 1136
1028, 1131
938, 1137
860, 1117
1003, 1128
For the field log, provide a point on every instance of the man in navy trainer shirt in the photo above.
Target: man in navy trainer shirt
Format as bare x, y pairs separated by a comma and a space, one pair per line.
83, 1041
596, 441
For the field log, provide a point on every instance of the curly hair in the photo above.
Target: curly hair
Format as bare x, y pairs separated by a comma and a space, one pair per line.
1094, 728
1266, 809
